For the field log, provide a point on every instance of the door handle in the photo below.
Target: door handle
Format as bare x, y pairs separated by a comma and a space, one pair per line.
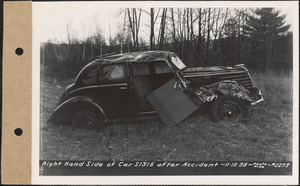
122, 88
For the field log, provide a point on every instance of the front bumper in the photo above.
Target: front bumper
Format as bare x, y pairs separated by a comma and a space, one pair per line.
258, 101
258, 98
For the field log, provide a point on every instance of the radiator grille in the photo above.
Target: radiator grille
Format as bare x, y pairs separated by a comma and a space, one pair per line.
242, 78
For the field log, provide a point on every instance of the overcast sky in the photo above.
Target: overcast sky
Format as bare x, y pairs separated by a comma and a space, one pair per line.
50, 19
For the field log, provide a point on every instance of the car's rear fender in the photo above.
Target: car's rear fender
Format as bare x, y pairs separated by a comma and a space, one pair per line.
67, 110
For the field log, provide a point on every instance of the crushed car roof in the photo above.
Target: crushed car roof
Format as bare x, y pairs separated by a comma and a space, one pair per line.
144, 56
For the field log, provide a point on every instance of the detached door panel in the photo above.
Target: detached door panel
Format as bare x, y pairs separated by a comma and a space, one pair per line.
171, 104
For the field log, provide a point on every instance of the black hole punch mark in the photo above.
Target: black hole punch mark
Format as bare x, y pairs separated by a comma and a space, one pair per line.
18, 132
19, 51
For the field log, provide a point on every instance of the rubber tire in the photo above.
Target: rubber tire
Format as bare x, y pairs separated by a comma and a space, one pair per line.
98, 123
216, 105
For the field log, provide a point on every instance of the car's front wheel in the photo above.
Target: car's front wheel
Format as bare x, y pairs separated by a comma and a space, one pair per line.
88, 120
228, 108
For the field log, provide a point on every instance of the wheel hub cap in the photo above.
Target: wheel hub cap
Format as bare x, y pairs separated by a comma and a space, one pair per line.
87, 122
230, 111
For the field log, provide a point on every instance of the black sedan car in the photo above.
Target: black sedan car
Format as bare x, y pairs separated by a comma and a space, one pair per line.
139, 83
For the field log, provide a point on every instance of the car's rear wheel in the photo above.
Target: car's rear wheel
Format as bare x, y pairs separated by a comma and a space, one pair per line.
88, 119
228, 108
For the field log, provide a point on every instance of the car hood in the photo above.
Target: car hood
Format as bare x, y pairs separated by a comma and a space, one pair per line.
213, 70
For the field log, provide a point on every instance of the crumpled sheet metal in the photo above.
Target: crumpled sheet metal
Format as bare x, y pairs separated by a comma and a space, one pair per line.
205, 94
143, 56
209, 92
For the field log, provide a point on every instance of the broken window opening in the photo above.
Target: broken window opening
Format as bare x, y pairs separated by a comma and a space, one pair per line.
113, 72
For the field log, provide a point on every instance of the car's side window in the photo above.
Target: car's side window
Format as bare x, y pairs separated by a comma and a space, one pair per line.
141, 69
161, 67
91, 77
113, 72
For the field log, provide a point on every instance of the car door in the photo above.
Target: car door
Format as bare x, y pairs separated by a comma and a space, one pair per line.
114, 92
148, 76
142, 85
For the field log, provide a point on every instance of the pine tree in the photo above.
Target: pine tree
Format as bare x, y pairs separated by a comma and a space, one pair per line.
265, 27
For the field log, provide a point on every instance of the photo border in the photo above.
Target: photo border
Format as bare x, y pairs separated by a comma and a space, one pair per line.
237, 180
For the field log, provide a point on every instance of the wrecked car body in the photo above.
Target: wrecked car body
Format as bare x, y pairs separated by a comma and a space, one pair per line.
140, 83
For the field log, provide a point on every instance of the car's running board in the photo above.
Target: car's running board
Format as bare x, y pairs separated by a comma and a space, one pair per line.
141, 115
146, 113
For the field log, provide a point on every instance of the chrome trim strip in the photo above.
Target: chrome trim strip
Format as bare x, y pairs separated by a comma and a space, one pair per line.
239, 79
235, 76
149, 112
98, 86
207, 74
60, 105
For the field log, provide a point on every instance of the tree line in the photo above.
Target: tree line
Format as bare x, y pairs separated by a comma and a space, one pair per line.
258, 38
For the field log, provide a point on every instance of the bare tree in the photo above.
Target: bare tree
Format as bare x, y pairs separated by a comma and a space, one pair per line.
174, 40
208, 37
199, 50
220, 20
137, 26
241, 17
162, 28
192, 25
134, 24
152, 29
152, 26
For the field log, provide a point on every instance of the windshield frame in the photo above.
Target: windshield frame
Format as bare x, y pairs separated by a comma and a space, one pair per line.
178, 64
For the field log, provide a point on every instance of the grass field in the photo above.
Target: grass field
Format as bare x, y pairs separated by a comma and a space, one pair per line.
266, 136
